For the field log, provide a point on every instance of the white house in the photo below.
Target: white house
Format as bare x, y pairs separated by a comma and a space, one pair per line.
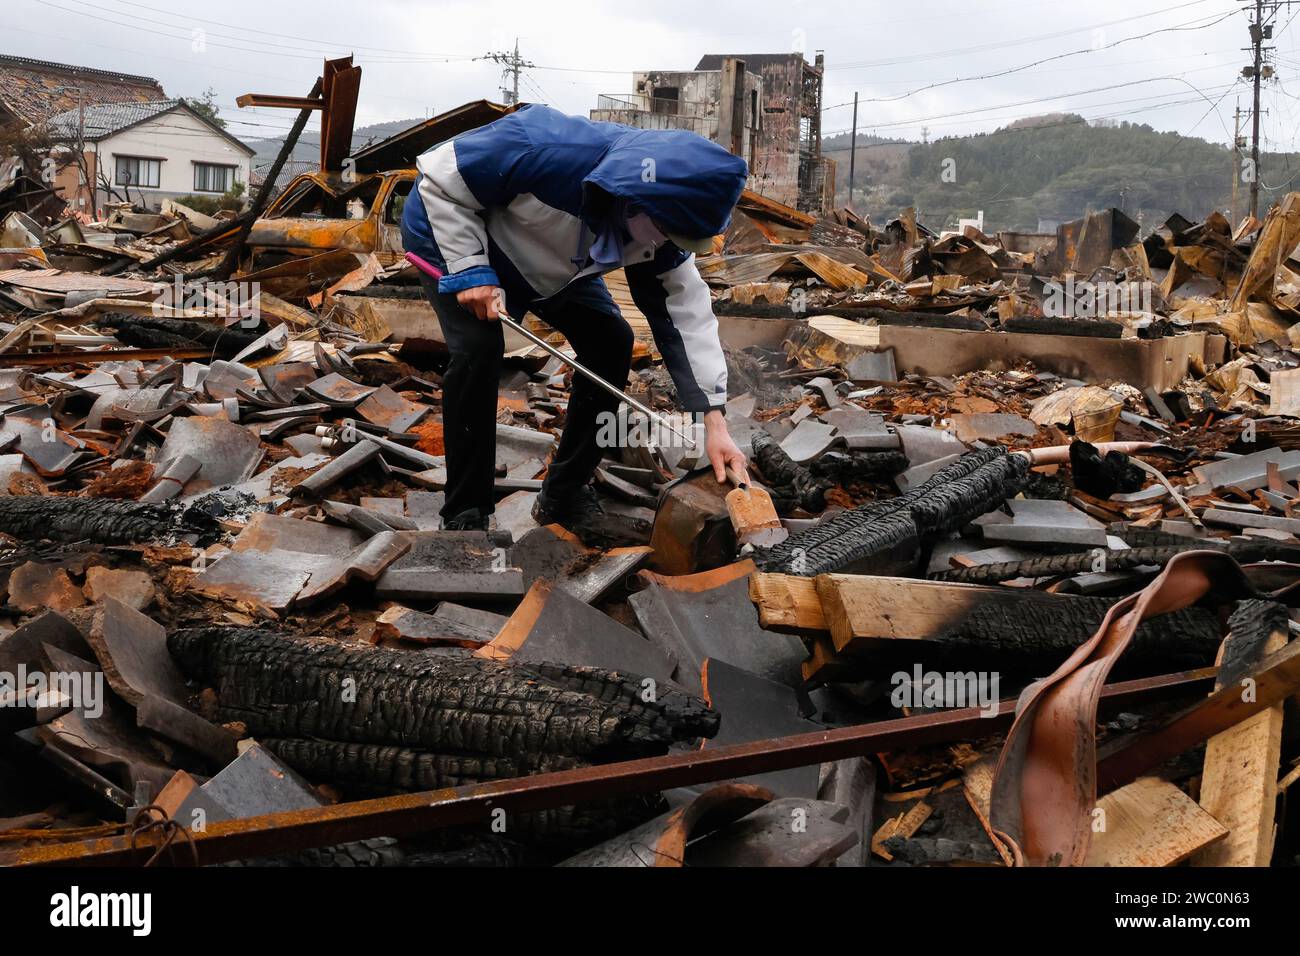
148, 152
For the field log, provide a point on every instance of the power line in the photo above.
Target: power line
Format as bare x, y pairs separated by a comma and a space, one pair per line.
1090, 67
1002, 44
1042, 99
289, 36
244, 41
1050, 59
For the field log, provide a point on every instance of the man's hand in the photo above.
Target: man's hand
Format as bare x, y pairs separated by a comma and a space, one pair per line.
722, 450
487, 302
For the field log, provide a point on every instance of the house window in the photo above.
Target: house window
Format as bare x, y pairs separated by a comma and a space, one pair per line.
211, 178
666, 99
137, 171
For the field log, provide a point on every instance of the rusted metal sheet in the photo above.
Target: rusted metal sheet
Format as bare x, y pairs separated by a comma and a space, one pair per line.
95, 356
401, 150
54, 280
1045, 784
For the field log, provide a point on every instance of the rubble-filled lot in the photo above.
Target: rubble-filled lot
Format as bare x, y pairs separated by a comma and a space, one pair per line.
1060, 469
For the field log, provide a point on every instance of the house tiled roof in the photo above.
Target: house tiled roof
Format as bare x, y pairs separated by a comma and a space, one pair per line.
99, 122
104, 119
35, 90
292, 169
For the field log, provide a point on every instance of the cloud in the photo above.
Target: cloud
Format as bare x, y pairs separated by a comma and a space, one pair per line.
418, 57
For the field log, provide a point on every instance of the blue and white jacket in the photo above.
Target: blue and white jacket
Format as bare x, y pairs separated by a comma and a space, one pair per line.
519, 203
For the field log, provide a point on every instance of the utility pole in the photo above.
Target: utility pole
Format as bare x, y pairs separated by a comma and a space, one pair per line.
1264, 12
1238, 141
853, 149
514, 65
81, 148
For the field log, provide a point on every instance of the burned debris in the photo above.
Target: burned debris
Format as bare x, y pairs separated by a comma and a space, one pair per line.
974, 460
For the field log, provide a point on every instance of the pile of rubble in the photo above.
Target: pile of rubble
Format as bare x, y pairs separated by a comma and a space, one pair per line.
228, 593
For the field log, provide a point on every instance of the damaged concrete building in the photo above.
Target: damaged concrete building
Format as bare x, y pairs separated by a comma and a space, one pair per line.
765, 107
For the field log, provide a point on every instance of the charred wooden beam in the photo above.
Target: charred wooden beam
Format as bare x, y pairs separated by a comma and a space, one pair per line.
1057, 565
393, 768
859, 467
901, 621
792, 485
298, 687
263, 197
936, 320
98, 520
889, 533
148, 331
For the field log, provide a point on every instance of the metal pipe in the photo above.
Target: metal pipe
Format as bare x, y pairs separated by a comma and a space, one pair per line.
432, 270
595, 379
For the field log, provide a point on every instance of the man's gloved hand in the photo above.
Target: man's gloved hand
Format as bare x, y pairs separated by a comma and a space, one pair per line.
486, 302
722, 450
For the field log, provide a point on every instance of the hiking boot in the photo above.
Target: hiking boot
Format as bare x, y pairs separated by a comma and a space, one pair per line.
471, 520
581, 514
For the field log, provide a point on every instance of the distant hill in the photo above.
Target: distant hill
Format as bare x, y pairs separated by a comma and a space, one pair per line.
1050, 168
307, 150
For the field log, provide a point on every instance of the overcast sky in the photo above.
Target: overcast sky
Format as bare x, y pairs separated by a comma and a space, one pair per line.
418, 57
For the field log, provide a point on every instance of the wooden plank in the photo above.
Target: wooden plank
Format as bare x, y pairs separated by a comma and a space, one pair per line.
1150, 822
824, 666
787, 603
1273, 680
837, 275
831, 340
977, 787
862, 610
1239, 785
753, 202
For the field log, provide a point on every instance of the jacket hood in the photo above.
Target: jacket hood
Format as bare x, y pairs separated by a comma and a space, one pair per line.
686, 183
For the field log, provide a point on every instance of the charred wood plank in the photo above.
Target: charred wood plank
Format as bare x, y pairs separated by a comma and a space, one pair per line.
369, 768
902, 621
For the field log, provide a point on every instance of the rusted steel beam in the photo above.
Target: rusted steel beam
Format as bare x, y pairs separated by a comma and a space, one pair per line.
278, 102
412, 813
91, 356
263, 197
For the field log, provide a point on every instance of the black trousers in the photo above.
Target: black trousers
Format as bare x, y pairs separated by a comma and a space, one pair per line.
588, 317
